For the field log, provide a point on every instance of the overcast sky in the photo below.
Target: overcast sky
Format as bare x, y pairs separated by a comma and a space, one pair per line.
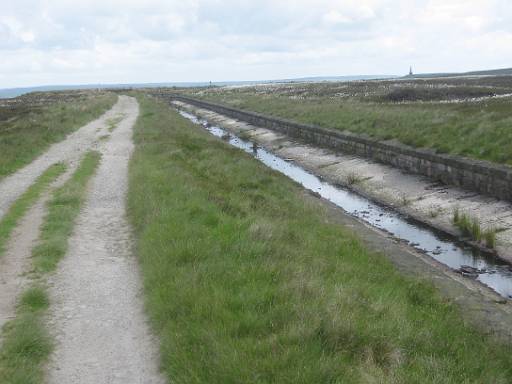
126, 41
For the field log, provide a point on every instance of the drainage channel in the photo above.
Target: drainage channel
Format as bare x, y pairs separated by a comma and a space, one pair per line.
472, 262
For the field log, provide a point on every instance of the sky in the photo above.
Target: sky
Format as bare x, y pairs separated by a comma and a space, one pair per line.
128, 41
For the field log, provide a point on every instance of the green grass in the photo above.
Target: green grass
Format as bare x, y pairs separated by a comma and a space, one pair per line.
478, 130
353, 178
246, 281
476, 230
26, 343
63, 209
18, 209
471, 227
489, 237
28, 136
113, 123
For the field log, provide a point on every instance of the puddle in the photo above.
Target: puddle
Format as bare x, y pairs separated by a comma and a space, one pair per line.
483, 267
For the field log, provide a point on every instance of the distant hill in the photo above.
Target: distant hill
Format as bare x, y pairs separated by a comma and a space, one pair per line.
335, 78
492, 72
13, 92
7, 93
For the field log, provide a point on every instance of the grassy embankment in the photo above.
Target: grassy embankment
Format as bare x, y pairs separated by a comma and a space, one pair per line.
26, 343
246, 281
478, 130
24, 138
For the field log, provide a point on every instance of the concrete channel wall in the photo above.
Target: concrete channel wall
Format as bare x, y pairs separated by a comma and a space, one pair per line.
479, 176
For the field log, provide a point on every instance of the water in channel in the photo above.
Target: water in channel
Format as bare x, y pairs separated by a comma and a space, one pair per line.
491, 271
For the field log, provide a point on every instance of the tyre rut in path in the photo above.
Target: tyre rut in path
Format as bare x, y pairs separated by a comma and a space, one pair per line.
69, 150
16, 262
96, 315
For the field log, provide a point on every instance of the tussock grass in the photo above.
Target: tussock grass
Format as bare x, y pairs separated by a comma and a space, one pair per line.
35, 299
471, 227
489, 236
468, 226
476, 231
25, 138
246, 282
353, 178
18, 209
26, 343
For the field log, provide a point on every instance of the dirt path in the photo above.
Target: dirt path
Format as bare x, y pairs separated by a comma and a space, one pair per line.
16, 261
69, 150
97, 311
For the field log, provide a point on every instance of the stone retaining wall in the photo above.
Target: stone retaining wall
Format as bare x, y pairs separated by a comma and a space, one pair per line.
479, 176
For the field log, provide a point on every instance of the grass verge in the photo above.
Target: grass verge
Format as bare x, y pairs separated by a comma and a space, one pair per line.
26, 342
26, 137
246, 282
25, 201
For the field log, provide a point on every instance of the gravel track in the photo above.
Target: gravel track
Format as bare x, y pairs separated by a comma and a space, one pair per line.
68, 150
96, 313
16, 262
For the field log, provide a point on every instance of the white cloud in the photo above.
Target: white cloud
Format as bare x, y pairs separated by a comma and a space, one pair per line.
60, 41
335, 17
